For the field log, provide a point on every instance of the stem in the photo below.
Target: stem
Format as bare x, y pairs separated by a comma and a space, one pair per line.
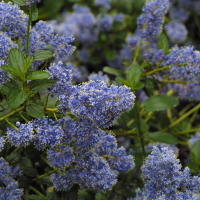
11, 124
55, 116
176, 81
184, 116
188, 131
157, 70
28, 30
46, 101
26, 120
51, 109
137, 52
46, 174
185, 109
37, 192
13, 112
45, 64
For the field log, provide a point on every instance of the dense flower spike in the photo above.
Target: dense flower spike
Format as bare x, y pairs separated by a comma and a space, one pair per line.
88, 168
162, 170
150, 22
32, 2
194, 139
60, 157
104, 3
12, 20
6, 45
1, 143
22, 136
96, 104
74, 71
86, 138
62, 46
105, 23
185, 63
176, 32
99, 77
62, 88
35, 43
89, 172
120, 161
45, 31
49, 133
9, 188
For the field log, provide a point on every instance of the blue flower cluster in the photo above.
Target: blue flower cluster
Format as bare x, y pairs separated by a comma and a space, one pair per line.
99, 77
164, 179
93, 161
32, 2
9, 188
13, 21
104, 3
105, 23
49, 133
2, 141
194, 139
150, 22
21, 136
99, 105
62, 46
176, 32
185, 63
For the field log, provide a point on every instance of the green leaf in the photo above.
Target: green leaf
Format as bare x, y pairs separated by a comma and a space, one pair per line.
16, 97
35, 110
34, 13
46, 180
163, 43
113, 71
38, 75
122, 81
137, 86
133, 75
163, 137
196, 150
24, 181
42, 55
50, 193
27, 64
13, 158
27, 168
20, 2
71, 194
33, 197
12, 83
100, 196
39, 85
16, 59
83, 195
160, 102
11, 70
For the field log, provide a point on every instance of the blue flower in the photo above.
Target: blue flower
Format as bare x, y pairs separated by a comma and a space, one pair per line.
49, 133
60, 157
96, 104
9, 187
62, 46
150, 22
22, 136
176, 32
104, 3
163, 177
99, 77
12, 20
